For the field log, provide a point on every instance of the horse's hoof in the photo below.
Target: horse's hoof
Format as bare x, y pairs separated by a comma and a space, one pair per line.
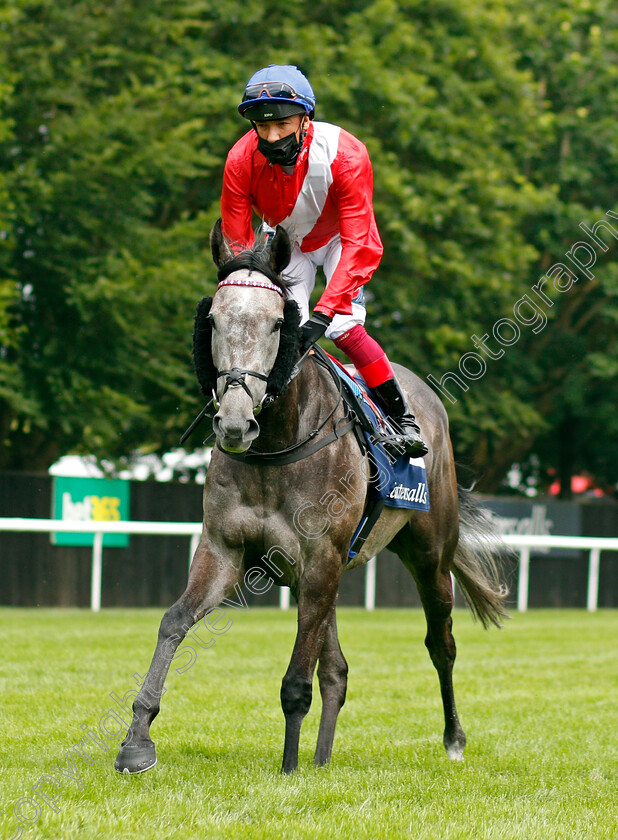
136, 758
455, 754
454, 745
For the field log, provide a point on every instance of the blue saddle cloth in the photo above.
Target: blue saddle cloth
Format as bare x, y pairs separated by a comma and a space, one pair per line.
399, 482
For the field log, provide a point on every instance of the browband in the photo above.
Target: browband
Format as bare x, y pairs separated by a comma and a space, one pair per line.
260, 284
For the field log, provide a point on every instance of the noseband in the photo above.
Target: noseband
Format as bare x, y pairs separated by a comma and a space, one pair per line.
235, 378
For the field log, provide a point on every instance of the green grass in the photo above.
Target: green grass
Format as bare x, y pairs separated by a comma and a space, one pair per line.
537, 701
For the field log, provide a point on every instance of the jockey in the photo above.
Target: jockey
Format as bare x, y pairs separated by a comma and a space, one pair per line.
316, 181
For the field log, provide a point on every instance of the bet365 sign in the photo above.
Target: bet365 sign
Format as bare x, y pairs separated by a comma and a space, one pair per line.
90, 500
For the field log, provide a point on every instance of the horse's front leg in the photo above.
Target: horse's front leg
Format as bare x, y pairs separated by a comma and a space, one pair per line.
212, 577
316, 601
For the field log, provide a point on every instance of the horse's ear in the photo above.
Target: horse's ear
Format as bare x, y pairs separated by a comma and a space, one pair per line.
280, 251
221, 251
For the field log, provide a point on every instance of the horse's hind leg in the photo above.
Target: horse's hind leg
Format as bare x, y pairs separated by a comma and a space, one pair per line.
333, 678
436, 592
210, 580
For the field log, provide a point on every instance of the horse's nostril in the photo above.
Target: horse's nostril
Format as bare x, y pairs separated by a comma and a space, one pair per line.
235, 429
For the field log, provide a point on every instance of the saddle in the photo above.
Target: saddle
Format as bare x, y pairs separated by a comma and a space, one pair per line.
395, 481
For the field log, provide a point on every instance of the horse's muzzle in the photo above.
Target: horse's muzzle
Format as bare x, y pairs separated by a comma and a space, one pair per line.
237, 436
234, 425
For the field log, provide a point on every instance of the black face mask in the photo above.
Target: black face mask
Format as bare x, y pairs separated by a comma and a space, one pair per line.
284, 151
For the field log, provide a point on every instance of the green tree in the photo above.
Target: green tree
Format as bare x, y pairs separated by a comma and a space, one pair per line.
436, 92
570, 369
112, 177
9, 373
490, 127
491, 130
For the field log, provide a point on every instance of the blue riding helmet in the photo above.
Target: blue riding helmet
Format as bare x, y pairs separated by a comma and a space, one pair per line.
276, 92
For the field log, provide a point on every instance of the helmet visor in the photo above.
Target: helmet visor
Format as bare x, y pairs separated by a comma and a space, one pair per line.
280, 90
264, 110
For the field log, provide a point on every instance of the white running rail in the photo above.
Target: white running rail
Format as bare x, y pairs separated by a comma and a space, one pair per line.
594, 545
522, 544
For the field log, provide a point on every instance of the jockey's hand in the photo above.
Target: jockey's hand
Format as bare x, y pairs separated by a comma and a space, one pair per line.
313, 329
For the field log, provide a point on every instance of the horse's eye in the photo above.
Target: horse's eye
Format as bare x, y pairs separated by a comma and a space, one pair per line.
211, 321
278, 324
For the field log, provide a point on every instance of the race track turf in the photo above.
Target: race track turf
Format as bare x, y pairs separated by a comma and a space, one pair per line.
537, 701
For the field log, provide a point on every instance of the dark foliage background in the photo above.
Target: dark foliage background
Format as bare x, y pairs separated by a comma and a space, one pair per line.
491, 126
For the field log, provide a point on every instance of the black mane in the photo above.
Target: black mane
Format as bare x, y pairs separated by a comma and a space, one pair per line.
255, 259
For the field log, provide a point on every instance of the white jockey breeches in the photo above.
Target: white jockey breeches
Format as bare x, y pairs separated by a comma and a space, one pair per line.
302, 270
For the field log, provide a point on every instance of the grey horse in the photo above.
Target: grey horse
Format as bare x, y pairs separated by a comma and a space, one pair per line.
291, 517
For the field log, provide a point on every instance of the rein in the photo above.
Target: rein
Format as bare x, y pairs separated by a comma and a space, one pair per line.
292, 453
236, 377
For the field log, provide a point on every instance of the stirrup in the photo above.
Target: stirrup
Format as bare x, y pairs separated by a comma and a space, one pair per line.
406, 438
403, 444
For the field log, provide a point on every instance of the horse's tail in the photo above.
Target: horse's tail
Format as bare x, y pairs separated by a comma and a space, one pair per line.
477, 562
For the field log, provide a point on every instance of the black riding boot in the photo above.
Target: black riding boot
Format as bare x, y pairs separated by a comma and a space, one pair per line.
393, 401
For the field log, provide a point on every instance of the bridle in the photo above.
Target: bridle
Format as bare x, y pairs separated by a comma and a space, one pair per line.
303, 448
234, 378
237, 378
308, 445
